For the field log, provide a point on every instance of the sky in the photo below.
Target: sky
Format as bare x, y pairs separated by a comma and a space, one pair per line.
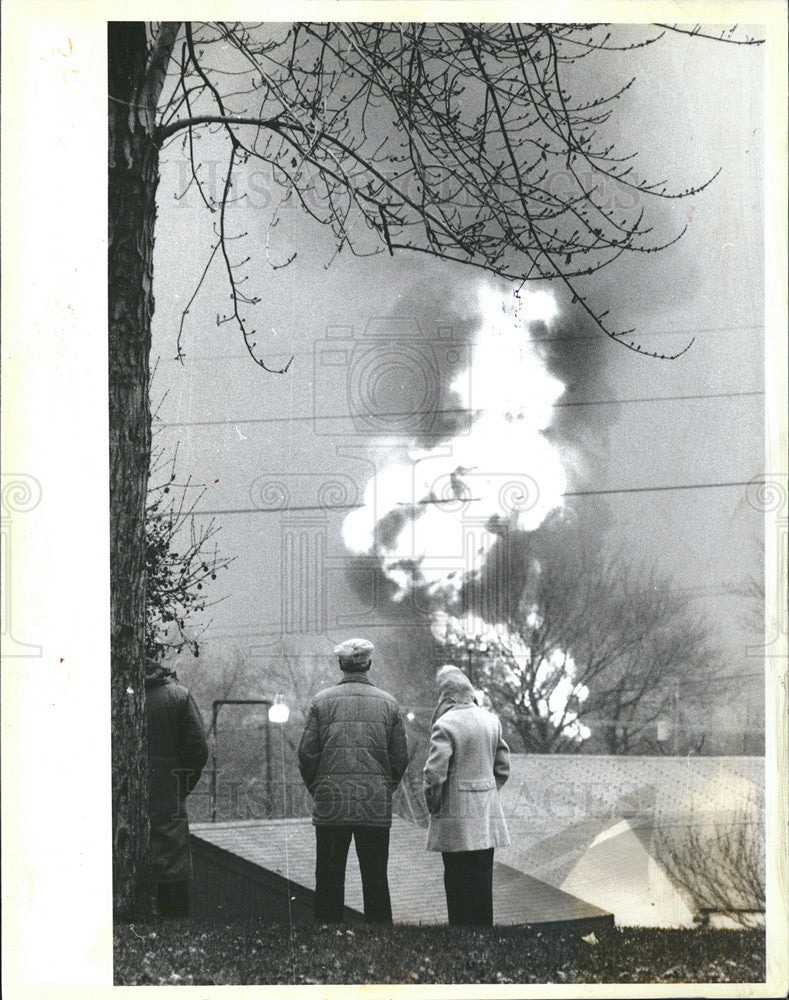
413, 333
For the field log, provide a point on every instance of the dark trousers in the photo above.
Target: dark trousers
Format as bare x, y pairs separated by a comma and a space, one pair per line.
173, 898
468, 880
372, 849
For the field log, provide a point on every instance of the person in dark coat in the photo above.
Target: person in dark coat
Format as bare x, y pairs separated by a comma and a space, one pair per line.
352, 755
177, 753
467, 764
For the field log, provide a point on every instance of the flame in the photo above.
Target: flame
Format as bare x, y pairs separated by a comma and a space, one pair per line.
427, 514
436, 503
554, 680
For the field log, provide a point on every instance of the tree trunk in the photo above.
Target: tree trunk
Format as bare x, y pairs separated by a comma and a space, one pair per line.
133, 176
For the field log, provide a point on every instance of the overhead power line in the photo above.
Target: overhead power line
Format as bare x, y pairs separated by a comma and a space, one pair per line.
452, 411
710, 678
567, 338
569, 493
657, 489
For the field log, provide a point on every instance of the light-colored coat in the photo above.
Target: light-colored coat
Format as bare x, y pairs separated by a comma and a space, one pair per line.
467, 764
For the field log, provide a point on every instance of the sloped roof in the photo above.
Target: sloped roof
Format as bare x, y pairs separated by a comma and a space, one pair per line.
591, 825
552, 790
620, 868
416, 884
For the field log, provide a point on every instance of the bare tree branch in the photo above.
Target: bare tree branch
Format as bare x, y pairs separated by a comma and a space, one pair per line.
181, 558
460, 141
725, 35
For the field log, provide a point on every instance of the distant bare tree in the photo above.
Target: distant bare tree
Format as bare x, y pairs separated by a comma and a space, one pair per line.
300, 675
216, 674
595, 644
255, 758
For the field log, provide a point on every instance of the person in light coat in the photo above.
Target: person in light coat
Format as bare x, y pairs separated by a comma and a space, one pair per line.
467, 764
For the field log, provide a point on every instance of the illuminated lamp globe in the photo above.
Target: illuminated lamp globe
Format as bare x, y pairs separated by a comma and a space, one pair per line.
279, 712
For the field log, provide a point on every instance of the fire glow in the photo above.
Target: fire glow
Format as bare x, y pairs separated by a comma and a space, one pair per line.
509, 658
432, 515
503, 468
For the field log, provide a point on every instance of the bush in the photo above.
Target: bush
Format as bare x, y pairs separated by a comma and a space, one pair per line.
720, 864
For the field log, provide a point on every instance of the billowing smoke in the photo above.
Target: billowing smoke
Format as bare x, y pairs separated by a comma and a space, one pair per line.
465, 491
434, 512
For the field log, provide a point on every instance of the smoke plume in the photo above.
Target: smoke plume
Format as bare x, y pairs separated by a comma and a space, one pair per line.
433, 513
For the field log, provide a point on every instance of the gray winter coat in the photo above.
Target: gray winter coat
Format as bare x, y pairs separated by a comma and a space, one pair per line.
353, 753
467, 764
177, 753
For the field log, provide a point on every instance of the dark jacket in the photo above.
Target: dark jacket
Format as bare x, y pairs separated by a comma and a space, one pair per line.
177, 753
353, 753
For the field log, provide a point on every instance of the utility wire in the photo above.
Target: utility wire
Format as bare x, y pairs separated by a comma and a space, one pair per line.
414, 503
244, 421
365, 341
657, 489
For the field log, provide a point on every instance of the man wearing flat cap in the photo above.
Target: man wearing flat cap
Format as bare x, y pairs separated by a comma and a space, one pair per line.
352, 755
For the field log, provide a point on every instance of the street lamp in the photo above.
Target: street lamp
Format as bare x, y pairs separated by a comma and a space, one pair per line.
279, 711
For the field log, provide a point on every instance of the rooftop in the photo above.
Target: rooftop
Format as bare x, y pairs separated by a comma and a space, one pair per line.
588, 838
287, 847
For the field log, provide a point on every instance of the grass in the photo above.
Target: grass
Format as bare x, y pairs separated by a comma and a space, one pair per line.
185, 953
